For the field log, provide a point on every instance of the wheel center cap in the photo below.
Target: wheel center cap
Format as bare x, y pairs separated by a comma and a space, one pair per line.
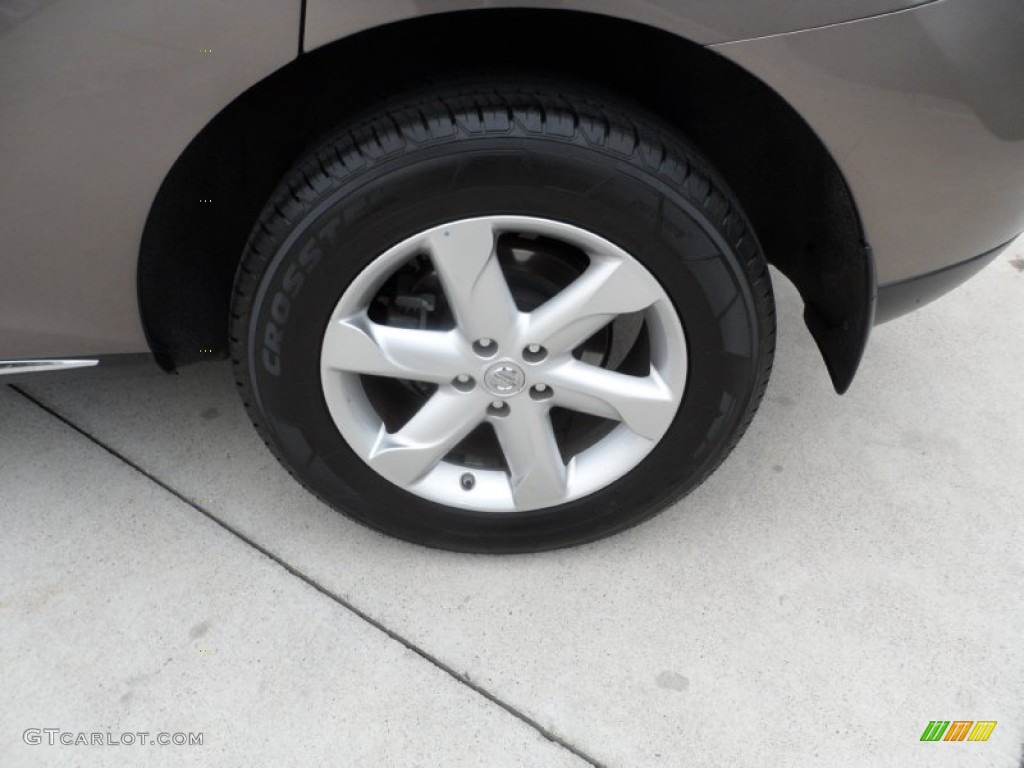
504, 379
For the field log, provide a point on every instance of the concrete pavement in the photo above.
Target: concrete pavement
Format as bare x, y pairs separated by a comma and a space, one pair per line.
123, 611
852, 572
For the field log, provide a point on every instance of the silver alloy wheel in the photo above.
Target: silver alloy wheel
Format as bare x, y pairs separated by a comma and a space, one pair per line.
505, 367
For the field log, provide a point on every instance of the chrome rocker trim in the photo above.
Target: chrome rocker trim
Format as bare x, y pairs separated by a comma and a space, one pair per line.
12, 367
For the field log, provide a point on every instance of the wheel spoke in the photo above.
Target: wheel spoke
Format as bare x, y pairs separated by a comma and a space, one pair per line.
359, 345
644, 404
608, 288
528, 442
410, 453
474, 284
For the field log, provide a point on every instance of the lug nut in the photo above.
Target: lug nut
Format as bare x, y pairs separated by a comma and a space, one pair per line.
463, 382
540, 392
534, 353
485, 347
498, 408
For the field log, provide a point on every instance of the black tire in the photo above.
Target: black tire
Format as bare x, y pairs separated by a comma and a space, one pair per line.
532, 148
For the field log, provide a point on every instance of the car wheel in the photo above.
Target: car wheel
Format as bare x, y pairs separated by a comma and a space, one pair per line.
502, 317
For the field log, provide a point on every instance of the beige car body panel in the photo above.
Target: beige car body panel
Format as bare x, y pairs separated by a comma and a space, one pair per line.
97, 100
925, 118
700, 21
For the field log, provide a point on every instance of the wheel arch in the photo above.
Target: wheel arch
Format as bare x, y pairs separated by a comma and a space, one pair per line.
788, 183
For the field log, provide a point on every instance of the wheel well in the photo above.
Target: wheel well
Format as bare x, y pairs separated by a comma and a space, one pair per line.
788, 183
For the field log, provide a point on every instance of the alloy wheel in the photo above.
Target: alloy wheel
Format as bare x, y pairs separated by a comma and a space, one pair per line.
503, 363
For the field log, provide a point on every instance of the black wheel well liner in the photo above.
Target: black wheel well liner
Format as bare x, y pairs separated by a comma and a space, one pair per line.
788, 183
